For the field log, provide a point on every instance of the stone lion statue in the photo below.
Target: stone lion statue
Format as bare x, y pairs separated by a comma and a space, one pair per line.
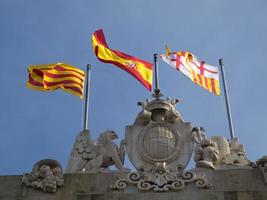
90, 156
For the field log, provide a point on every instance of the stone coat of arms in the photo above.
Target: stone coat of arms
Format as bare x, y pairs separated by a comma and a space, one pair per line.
159, 139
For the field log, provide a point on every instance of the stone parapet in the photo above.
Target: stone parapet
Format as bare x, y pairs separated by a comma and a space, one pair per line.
227, 184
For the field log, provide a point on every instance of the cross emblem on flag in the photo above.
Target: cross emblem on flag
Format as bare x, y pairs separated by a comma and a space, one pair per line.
201, 73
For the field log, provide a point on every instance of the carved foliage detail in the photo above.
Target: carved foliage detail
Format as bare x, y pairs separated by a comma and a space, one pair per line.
146, 183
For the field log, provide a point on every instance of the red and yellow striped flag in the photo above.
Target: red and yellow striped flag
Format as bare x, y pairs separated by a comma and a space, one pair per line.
201, 73
140, 69
49, 77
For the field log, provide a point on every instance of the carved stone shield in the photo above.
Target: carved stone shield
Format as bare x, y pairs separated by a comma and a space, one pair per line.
159, 137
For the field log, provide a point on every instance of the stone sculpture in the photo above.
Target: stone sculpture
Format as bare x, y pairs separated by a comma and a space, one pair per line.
46, 175
159, 136
206, 150
223, 147
160, 145
262, 165
90, 156
237, 154
231, 153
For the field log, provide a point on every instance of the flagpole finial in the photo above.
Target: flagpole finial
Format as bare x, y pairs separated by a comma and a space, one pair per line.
89, 67
221, 61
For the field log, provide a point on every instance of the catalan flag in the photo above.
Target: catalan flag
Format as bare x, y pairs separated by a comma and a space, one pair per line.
201, 73
49, 77
140, 69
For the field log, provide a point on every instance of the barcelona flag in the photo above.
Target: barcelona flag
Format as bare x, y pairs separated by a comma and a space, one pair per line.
201, 73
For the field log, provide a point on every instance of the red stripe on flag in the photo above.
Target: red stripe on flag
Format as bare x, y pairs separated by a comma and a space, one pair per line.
35, 83
195, 78
206, 82
99, 36
213, 86
200, 79
51, 84
178, 62
132, 72
38, 72
45, 69
123, 55
201, 68
51, 75
101, 40
75, 89
60, 68
213, 72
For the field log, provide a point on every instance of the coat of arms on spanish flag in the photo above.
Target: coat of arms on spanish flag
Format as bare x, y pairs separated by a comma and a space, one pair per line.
140, 69
201, 73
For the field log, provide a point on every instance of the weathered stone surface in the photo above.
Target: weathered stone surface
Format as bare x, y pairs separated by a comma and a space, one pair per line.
46, 175
206, 150
223, 147
230, 184
262, 165
159, 143
162, 182
237, 154
260, 195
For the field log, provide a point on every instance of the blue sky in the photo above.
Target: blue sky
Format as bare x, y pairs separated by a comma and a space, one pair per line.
37, 125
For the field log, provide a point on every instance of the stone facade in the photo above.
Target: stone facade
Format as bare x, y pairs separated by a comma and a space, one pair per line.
227, 184
159, 144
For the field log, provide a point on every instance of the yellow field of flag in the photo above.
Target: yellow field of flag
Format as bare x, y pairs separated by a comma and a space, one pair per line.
49, 77
140, 69
201, 73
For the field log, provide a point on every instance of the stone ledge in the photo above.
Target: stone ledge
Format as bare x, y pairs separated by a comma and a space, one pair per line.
234, 184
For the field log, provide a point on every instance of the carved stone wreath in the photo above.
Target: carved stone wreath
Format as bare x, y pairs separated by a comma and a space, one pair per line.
46, 175
146, 183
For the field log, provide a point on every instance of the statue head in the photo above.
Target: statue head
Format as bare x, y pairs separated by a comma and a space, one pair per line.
44, 170
107, 136
57, 171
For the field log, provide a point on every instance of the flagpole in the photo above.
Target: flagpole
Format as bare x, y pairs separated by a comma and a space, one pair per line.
156, 72
87, 87
157, 93
226, 96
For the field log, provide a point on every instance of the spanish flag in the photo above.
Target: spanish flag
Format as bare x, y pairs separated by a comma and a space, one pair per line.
140, 69
49, 77
201, 73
